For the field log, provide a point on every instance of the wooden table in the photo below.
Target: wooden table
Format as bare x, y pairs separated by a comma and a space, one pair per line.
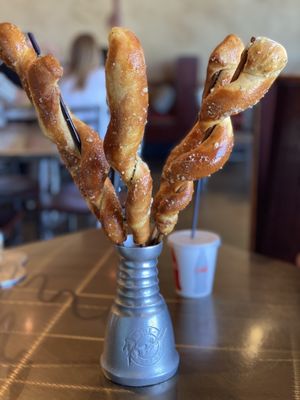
25, 142
243, 342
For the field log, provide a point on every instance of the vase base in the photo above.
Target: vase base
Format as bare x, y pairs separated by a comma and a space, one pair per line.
139, 382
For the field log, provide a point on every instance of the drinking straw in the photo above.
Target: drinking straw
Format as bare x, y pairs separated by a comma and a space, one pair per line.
196, 207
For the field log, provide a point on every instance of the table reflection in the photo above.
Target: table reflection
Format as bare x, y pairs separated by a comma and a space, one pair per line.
195, 322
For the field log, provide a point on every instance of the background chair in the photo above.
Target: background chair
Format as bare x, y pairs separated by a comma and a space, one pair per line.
276, 188
15, 192
165, 130
66, 210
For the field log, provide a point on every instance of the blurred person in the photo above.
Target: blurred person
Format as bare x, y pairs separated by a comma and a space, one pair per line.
84, 82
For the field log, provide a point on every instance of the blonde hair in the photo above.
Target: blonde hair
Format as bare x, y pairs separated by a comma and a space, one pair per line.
84, 58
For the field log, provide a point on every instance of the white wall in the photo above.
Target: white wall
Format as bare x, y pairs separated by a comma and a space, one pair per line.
167, 28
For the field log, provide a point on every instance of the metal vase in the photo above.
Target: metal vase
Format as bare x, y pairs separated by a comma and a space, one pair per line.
139, 347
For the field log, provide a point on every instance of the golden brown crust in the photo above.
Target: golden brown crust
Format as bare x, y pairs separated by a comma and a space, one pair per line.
205, 158
138, 202
195, 157
94, 168
43, 75
236, 79
89, 169
110, 213
168, 202
16, 52
189, 142
127, 92
265, 60
222, 63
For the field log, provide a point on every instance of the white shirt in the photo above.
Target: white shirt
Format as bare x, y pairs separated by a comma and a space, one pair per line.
93, 94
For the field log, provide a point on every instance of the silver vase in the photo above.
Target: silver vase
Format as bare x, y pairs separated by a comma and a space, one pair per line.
139, 347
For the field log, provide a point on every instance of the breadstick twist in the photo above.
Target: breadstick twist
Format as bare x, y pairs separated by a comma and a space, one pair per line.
209, 144
262, 62
170, 199
15, 52
196, 157
89, 168
222, 64
127, 92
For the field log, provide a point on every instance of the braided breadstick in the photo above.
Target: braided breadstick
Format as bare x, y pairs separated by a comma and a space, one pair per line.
15, 52
127, 91
195, 155
88, 169
170, 199
193, 160
222, 64
263, 61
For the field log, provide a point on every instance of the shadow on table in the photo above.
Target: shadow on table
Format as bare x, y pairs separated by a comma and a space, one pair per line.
42, 296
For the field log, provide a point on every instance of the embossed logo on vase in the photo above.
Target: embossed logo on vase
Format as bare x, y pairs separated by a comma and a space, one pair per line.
144, 346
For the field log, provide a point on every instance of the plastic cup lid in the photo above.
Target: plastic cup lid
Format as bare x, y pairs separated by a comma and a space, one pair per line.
202, 238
